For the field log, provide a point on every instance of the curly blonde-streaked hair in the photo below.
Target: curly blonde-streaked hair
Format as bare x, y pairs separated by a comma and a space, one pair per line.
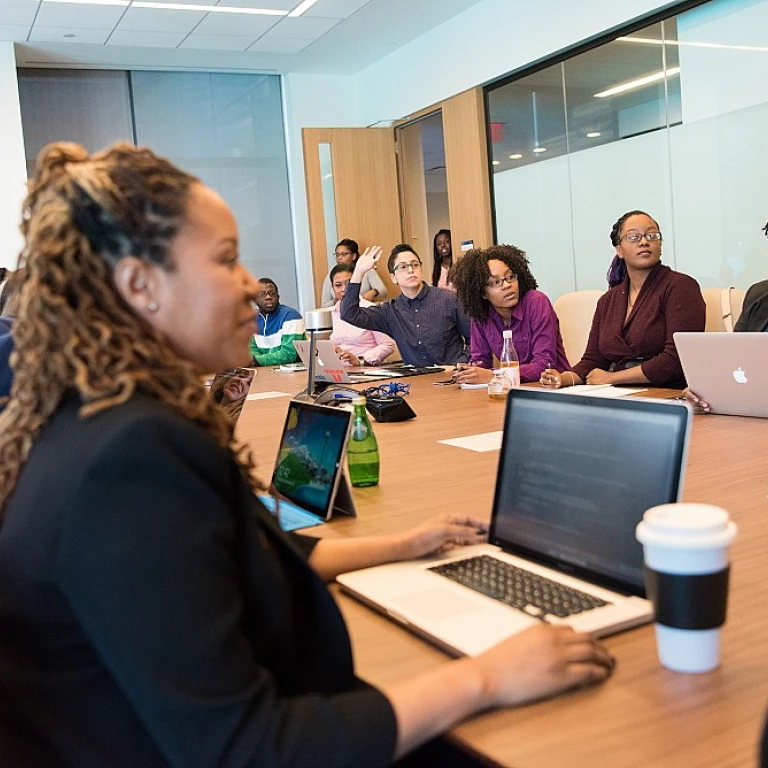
73, 332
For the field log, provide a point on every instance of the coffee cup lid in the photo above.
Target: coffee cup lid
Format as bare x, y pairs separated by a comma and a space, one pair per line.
687, 526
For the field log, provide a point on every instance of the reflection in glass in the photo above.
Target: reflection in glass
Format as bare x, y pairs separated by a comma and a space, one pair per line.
670, 118
424, 187
325, 152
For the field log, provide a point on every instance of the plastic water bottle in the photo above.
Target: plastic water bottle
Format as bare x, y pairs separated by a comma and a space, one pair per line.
362, 449
509, 361
499, 386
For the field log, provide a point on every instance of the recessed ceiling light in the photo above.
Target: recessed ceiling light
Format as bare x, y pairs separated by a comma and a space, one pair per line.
202, 8
639, 83
497, 162
593, 134
538, 150
301, 7
516, 156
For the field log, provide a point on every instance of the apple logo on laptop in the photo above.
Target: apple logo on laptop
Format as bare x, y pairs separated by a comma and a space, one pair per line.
740, 376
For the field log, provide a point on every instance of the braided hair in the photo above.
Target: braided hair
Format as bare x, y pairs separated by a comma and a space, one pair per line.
73, 332
618, 269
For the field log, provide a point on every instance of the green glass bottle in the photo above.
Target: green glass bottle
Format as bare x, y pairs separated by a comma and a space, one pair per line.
362, 450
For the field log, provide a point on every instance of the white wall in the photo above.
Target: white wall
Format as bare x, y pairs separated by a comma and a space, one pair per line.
13, 170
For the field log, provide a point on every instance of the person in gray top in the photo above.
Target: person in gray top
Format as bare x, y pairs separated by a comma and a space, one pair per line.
348, 252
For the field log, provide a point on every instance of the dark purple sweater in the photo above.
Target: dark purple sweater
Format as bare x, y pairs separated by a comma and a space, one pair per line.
668, 302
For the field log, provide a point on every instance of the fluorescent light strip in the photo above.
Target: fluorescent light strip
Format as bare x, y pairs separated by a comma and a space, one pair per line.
208, 8
639, 83
177, 7
693, 44
301, 7
121, 3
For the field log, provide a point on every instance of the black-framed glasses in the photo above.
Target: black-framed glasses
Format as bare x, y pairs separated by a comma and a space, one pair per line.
636, 237
414, 265
343, 255
266, 294
497, 282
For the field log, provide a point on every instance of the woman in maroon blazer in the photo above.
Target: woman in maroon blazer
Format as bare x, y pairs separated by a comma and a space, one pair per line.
631, 340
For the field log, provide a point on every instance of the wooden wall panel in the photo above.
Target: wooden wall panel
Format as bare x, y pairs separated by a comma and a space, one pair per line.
366, 192
466, 160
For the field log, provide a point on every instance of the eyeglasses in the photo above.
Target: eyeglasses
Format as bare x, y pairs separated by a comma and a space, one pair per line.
636, 237
390, 389
414, 265
497, 282
343, 254
267, 294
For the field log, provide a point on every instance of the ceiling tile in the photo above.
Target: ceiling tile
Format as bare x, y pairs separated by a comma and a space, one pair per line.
158, 20
42, 34
217, 42
302, 28
17, 32
146, 39
279, 45
18, 12
80, 16
335, 9
236, 24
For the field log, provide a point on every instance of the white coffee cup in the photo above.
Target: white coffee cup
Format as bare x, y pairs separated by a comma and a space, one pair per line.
685, 547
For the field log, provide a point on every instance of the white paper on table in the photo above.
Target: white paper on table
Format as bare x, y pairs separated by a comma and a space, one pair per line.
266, 395
487, 441
599, 390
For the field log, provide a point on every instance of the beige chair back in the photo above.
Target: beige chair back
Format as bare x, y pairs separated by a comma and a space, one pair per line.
723, 308
575, 311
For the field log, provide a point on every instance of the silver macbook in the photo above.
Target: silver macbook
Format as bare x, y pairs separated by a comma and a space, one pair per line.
330, 370
574, 478
728, 370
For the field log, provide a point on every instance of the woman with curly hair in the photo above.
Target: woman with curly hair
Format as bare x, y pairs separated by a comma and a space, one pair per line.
152, 612
497, 290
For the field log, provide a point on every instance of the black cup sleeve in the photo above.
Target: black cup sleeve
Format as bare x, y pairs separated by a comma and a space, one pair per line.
688, 602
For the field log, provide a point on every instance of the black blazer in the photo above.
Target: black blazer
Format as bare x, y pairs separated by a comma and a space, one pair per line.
152, 613
754, 313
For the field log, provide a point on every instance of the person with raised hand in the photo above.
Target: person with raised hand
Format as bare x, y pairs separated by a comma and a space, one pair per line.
427, 323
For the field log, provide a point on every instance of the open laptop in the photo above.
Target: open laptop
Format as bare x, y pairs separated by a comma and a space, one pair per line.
727, 370
574, 478
309, 471
330, 370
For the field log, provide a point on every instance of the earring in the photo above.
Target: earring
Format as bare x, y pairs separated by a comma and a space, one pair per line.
153, 306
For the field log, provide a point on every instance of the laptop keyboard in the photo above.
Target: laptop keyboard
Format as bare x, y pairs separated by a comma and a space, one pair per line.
518, 588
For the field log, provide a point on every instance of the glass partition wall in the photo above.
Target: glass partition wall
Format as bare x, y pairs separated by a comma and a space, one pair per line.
669, 119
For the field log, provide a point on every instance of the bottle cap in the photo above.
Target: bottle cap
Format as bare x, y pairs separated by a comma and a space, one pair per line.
507, 334
359, 400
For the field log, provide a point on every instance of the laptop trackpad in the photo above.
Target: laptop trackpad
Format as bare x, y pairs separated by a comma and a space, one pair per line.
436, 604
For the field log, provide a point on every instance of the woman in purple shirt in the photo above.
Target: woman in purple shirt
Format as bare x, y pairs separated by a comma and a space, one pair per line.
497, 290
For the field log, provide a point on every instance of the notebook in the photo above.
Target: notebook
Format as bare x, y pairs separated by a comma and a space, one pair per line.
574, 478
727, 370
309, 471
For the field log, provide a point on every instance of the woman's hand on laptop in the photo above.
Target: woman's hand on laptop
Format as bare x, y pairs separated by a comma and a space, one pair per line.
699, 405
440, 534
541, 662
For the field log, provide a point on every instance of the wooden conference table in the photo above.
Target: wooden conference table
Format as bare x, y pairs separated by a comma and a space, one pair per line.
644, 715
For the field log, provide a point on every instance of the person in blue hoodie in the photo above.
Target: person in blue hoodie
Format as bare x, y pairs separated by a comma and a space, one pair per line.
278, 327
